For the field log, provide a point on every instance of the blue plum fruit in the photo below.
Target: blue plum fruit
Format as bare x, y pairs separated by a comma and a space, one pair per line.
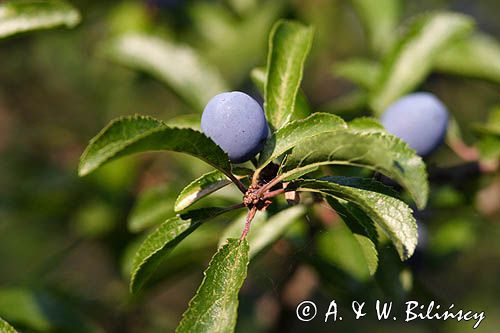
236, 122
420, 119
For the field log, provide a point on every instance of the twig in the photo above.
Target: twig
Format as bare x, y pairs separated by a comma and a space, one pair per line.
471, 154
270, 185
274, 193
233, 207
465, 152
250, 216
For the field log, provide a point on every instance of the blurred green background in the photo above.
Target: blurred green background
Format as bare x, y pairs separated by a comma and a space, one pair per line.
65, 241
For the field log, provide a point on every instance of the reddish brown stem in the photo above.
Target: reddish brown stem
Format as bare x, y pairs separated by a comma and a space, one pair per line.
274, 193
236, 206
464, 151
250, 216
471, 154
269, 185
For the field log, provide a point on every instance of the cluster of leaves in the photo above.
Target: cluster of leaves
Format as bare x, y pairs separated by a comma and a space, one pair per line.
406, 54
303, 144
300, 144
402, 57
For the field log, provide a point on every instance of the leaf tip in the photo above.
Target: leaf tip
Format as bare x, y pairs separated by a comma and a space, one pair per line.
135, 284
73, 19
179, 207
132, 287
84, 167
83, 170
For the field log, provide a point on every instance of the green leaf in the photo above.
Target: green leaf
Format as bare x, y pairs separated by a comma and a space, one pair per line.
178, 66
379, 151
367, 124
355, 218
259, 78
302, 107
393, 216
40, 311
477, 56
289, 45
21, 16
214, 308
152, 207
5, 327
363, 72
288, 136
200, 187
353, 253
453, 132
162, 240
413, 56
189, 255
367, 184
380, 20
264, 230
185, 121
220, 35
130, 135
203, 186
369, 251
